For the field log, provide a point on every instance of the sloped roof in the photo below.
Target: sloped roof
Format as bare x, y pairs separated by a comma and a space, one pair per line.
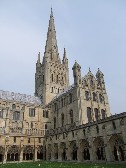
22, 98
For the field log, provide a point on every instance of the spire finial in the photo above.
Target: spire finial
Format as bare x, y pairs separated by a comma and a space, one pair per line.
39, 57
89, 69
51, 11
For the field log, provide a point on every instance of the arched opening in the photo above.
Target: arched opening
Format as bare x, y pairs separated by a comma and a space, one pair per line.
84, 150
99, 148
13, 153
40, 153
117, 146
28, 153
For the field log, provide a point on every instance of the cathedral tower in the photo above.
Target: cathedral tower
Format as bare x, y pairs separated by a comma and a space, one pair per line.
52, 75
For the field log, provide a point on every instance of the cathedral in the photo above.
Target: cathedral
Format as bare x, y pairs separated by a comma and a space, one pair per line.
61, 122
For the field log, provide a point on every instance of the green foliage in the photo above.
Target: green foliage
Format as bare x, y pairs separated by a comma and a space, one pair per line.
61, 165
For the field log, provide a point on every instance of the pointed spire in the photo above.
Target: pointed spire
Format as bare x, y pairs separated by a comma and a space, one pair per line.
38, 61
51, 43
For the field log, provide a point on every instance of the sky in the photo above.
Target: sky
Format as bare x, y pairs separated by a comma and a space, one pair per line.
92, 31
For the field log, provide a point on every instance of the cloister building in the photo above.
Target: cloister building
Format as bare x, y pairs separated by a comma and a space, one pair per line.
61, 122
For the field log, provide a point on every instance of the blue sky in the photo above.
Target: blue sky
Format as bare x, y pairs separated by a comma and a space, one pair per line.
92, 31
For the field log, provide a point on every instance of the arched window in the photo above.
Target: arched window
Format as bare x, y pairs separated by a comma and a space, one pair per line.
16, 115
103, 113
31, 124
89, 114
87, 95
52, 77
57, 79
58, 90
96, 113
71, 116
54, 122
62, 119
45, 126
13, 106
52, 89
70, 98
94, 96
101, 98
47, 114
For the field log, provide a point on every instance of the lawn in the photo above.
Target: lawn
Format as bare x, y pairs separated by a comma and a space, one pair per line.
61, 165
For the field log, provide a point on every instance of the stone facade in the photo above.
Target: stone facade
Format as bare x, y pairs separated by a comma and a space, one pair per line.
62, 121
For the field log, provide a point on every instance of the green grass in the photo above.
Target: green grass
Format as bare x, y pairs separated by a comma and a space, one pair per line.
61, 165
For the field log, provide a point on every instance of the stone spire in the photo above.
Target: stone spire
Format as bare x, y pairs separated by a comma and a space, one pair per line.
51, 48
65, 60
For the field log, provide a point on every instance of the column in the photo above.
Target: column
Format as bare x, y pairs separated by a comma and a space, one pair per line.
59, 152
35, 154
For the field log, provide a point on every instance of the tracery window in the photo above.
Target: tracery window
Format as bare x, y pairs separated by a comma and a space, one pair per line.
94, 96
101, 98
103, 113
87, 95
89, 114
31, 112
71, 116
96, 113
70, 98
13, 106
16, 115
54, 122
62, 119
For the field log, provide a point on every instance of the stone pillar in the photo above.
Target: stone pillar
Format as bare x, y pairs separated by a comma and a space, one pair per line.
5, 157
35, 154
92, 150
68, 151
108, 153
59, 152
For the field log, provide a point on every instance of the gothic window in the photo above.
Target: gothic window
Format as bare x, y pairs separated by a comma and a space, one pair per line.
87, 95
62, 119
31, 112
52, 89
54, 122
43, 77
89, 114
94, 96
31, 124
101, 98
70, 98
71, 116
39, 140
58, 90
1, 113
96, 113
57, 79
52, 77
16, 115
28, 140
91, 81
13, 106
103, 113
45, 126
14, 139
43, 113
47, 114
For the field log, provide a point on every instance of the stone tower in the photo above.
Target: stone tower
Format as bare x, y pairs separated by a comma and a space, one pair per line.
52, 75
